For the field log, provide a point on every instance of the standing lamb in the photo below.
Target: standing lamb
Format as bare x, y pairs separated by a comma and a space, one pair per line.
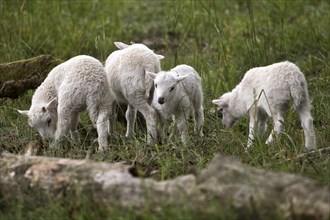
126, 71
71, 87
177, 93
266, 92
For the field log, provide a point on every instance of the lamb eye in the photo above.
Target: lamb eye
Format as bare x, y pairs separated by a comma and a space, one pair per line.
155, 85
49, 121
221, 109
171, 89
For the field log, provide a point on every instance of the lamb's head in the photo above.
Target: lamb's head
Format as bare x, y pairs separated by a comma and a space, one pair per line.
166, 85
226, 110
43, 118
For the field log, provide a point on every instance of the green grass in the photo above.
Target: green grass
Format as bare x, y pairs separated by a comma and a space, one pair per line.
220, 39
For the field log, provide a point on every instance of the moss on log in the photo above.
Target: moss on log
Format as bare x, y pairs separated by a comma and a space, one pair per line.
19, 76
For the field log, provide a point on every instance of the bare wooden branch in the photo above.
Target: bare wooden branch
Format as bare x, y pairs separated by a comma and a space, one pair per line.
311, 153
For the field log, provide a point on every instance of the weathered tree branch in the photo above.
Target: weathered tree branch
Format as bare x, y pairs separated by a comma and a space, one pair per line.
225, 182
19, 76
310, 153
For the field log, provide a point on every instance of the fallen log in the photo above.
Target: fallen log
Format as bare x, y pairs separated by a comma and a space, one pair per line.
20, 76
226, 182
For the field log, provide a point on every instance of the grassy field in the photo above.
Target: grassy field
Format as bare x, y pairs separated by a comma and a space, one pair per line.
220, 39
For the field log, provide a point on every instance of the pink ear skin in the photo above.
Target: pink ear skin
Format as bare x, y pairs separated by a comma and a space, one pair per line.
151, 74
220, 102
160, 56
180, 78
216, 101
121, 45
51, 106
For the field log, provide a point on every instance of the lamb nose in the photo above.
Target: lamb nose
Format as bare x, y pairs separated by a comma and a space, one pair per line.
161, 100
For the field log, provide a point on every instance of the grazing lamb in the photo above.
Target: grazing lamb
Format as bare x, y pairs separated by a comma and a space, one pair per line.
71, 87
126, 71
266, 92
177, 92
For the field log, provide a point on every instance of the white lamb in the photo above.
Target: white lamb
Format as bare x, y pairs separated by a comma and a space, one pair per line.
126, 71
71, 87
177, 93
266, 92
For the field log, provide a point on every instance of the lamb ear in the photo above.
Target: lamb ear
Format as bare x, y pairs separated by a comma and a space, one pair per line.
220, 103
24, 112
151, 74
160, 56
121, 45
180, 78
52, 105
216, 101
